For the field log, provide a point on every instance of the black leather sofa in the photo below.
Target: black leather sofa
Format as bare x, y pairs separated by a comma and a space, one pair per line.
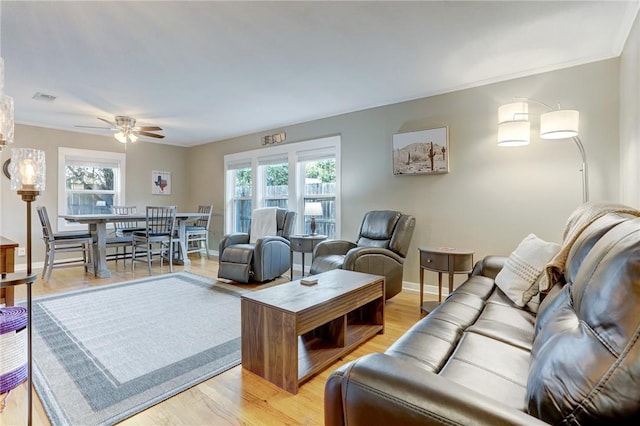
479, 359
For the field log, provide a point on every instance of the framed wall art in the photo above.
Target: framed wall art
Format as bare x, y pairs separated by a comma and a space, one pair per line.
160, 183
421, 152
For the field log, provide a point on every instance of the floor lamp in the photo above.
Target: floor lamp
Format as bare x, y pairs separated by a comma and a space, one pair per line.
27, 170
514, 129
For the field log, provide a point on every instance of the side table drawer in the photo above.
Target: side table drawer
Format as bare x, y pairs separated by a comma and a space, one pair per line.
434, 261
301, 245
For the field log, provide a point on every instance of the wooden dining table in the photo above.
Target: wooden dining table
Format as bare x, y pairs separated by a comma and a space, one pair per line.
98, 229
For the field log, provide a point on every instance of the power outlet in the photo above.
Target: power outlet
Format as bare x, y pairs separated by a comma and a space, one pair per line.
21, 251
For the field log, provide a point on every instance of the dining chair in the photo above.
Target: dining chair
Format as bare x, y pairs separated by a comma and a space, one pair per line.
63, 242
123, 233
198, 234
157, 237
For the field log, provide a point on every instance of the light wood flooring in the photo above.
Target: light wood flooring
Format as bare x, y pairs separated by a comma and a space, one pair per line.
235, 397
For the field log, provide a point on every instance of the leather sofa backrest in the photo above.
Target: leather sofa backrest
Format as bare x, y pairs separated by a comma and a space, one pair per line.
386, 229
401, 238
585, 356
377, 228
285, 222
588, 239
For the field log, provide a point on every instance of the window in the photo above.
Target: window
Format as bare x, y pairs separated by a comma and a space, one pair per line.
286, 176
320, 186
274, 175
240, 174
89, 182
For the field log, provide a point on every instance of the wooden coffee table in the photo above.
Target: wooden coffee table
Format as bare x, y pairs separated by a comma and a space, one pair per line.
290, 332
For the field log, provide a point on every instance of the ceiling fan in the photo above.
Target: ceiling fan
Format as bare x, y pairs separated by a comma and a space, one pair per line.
126, 129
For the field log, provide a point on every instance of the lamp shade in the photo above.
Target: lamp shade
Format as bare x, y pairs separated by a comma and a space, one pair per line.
27, 169
514, 133
516, 111
559, 124
120, 137
313, 209
125, 137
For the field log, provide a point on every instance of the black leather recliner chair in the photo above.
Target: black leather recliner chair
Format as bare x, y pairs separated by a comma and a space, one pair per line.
265, 260
380, 249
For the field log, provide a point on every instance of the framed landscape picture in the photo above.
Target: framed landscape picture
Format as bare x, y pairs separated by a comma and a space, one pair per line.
160, 183
421, 152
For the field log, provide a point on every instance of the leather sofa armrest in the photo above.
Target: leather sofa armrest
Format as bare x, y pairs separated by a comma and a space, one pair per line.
489, 266
233, 239
329, 247
358, 252
380, 389
270, 257
261, 242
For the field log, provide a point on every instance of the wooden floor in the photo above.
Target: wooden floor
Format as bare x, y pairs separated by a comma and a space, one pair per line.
231, 398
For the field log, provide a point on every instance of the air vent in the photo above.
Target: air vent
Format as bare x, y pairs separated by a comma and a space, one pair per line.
44, 97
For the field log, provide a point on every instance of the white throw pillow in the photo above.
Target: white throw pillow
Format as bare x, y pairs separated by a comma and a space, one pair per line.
518, 278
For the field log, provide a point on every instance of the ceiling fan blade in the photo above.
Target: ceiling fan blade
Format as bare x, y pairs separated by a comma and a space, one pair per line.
149, 128
96, 127
151, 135
107, 121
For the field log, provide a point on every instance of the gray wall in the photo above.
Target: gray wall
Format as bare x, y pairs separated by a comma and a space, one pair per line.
492, 197
489, 201
142, 159
630, 118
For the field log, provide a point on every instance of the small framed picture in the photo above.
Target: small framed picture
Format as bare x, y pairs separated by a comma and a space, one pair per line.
160, 183
421, 152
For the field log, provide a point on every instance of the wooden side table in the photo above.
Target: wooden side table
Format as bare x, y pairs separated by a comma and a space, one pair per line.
7, 265
303, 244
442, 259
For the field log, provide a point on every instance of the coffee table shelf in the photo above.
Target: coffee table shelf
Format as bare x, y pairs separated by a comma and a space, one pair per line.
291, 332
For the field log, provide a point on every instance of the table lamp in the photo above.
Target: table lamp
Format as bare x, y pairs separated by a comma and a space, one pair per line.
313, 209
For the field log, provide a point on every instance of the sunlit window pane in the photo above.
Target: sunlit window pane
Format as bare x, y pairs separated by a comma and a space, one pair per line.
320, 186
276, 185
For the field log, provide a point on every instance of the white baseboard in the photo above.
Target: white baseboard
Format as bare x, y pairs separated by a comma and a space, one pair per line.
428, 288
22, 267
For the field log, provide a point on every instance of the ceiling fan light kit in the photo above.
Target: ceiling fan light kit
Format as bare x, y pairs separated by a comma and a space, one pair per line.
124, 137
126, 129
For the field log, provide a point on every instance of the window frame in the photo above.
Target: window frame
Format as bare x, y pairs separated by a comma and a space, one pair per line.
66, 155
326, 146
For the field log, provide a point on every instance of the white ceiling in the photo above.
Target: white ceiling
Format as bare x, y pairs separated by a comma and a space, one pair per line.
207, 71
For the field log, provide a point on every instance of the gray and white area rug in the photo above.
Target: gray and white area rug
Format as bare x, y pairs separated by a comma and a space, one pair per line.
103, 354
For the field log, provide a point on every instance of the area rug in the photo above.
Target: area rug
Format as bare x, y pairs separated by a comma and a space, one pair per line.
103, 354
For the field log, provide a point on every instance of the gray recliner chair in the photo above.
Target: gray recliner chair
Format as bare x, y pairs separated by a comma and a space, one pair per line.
265, 260
381, 248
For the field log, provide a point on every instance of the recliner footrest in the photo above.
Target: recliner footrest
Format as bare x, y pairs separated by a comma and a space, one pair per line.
239, 253
235, 263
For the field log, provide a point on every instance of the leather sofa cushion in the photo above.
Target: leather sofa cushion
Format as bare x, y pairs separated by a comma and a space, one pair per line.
486, 365
506, 324
429, 342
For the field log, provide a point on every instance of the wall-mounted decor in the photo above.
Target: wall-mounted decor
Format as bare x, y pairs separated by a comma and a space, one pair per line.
275, 138
161, 183
421, 152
